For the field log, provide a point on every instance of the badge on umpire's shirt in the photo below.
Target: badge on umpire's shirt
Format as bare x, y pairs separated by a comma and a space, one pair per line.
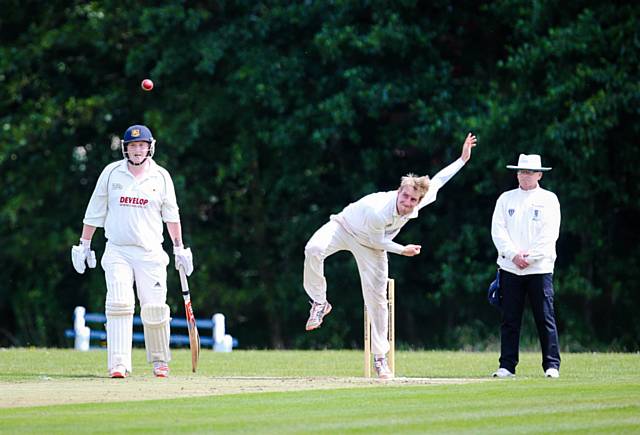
511, 211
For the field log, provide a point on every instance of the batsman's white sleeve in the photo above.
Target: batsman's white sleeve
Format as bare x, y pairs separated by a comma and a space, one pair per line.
169, 210
96, 212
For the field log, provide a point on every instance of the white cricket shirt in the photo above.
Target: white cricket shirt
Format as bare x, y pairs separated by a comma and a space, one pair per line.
526, 221
130, 209
374, 220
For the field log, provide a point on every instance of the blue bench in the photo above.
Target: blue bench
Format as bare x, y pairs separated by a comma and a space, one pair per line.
217, 339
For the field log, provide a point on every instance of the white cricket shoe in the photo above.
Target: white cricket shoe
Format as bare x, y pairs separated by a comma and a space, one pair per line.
316, 314
118, 372
160, 369
382, 368
503, 373
552, 373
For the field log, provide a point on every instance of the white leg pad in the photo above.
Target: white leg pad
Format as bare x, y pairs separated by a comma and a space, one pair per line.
119, 306
156, 318
119, 335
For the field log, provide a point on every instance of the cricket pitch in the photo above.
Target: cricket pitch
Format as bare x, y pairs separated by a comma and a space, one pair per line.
60, 391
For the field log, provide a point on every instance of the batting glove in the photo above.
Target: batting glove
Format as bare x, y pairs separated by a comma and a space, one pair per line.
82, 254
184, 259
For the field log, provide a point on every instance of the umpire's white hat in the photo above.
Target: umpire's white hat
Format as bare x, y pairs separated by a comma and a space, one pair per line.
531, 162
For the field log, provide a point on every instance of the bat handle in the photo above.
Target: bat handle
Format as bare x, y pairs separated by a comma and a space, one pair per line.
185, 284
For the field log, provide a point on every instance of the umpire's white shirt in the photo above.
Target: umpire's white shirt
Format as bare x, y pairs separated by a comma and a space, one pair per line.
374, 220
526, 221
131, 209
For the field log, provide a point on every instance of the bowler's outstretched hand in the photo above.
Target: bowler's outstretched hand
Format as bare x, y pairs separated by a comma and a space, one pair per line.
469, 143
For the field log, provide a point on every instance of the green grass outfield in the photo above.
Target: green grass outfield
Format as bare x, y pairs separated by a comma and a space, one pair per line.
597, 393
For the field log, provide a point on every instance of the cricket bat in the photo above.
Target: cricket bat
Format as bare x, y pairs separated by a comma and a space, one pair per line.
194, 337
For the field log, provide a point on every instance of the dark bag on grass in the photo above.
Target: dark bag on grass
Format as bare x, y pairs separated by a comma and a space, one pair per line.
493, 293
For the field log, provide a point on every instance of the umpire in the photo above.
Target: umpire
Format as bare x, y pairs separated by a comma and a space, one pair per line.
524, 229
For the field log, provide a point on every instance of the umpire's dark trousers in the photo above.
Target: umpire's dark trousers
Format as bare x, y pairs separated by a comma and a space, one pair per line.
539, 289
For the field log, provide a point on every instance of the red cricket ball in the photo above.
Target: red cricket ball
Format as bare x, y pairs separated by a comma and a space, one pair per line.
146, 85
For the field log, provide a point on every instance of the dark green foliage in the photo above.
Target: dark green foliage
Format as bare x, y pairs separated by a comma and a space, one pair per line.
273, 115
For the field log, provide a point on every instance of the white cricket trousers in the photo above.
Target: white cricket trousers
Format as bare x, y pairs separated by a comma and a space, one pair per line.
124, 265
373, 267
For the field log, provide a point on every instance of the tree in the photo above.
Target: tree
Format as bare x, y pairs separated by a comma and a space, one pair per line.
273, 115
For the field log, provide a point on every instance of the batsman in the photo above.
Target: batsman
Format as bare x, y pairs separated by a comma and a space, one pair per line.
367, 228
131, 200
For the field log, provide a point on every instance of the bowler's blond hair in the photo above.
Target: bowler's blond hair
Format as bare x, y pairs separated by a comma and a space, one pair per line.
420, 184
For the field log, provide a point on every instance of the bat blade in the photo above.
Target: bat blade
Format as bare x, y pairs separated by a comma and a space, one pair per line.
194, 336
